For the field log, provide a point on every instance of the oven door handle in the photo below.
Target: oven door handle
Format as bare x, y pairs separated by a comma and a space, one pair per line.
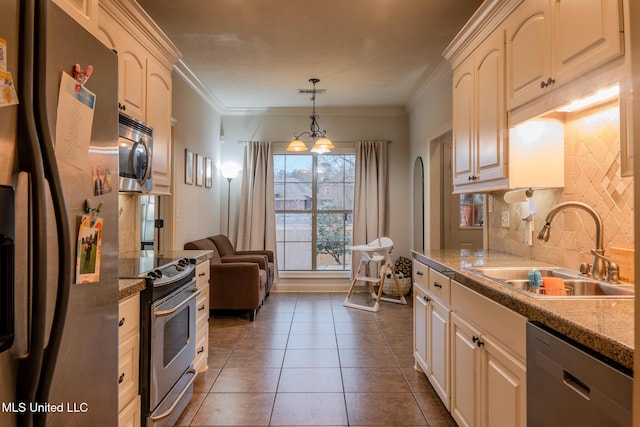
168, 412
172, 310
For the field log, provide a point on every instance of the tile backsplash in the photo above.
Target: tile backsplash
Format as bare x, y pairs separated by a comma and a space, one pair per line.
592, 176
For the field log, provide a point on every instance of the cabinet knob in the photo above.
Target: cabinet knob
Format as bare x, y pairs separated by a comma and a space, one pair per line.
121, 378
419, 273
480, 343
437, 285
202, 274
473, 178
547, 83
475, 338
201, 307
201, 349
121, 322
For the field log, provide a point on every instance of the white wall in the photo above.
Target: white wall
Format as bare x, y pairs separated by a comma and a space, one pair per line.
430, 114
346, 125
197, 128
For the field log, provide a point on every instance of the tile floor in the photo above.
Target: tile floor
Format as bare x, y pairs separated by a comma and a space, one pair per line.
307, 360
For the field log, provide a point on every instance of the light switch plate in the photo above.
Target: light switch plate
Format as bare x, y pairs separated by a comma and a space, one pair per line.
504, 219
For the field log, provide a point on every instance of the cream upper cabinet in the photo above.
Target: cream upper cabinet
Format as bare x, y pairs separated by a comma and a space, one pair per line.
551, 42
145, 61
463, 123
132, 65
479, 116
132, 69
158, 89
83, 11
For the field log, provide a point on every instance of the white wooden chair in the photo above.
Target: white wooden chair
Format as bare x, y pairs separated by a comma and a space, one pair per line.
375, 253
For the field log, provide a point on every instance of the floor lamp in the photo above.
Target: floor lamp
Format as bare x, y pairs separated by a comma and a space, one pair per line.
229, 171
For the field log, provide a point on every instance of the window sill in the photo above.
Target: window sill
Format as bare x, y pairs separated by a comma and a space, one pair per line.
314, 274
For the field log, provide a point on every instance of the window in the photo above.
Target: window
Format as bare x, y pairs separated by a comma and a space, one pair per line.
471, 210
314, 211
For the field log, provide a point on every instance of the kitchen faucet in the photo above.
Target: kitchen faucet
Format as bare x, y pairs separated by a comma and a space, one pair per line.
600, 263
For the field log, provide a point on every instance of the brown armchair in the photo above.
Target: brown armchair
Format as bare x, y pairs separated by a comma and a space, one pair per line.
227, 253
233, 285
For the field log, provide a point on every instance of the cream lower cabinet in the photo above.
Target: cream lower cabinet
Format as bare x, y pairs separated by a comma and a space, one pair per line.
488, 376
431, 338
202, 317
129, 362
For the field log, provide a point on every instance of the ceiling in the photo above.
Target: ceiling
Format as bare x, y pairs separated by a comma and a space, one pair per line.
254, 54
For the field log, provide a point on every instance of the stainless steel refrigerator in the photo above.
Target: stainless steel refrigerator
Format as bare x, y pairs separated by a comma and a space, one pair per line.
58, 337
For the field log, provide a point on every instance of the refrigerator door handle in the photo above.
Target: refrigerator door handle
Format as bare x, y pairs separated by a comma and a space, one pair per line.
7, 261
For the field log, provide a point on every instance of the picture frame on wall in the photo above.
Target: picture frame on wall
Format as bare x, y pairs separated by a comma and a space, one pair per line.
188, 167
199, 170
208, 172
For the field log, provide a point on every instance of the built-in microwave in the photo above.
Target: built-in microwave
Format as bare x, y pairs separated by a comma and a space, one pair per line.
135, 148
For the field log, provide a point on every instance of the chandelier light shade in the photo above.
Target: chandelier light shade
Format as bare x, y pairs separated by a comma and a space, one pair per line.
320, 143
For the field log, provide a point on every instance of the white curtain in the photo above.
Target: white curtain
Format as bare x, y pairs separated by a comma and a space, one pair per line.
257, 223
370, 194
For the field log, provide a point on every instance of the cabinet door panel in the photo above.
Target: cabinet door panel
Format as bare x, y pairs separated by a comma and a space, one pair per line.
464, 369
159, 118
505, 388
528, 52
586, 33
132, 69
420, 305
463, 122
491, 115
439, 350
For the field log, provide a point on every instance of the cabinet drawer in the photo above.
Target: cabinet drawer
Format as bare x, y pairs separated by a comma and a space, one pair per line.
202, 350
202, 306
129, 316
128, 362
202, 273
440, 286
420, 273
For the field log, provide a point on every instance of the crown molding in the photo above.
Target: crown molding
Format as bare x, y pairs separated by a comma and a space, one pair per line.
196, 84
325, 111
432, 81
484, 21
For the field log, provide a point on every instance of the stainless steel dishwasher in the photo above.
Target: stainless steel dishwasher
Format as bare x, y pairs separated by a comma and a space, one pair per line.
567, 386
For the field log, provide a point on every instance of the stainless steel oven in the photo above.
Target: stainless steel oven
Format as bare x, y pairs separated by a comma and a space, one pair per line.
135, 154
168, 321
173, 329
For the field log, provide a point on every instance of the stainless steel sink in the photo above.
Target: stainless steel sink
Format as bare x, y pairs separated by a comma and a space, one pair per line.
575, 288
575, 284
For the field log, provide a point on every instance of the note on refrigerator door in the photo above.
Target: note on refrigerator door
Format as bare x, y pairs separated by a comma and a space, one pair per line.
89, 250
7, 90
74, 123
3, 55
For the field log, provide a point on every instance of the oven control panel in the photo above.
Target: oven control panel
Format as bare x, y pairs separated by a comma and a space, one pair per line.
172, 272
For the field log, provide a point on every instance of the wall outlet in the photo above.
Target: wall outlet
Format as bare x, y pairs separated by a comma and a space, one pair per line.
504, 219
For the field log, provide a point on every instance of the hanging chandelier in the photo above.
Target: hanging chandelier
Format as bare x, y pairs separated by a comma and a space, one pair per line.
321, 144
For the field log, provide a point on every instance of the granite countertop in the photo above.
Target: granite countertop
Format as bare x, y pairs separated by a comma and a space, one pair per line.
605, 326
129, 287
